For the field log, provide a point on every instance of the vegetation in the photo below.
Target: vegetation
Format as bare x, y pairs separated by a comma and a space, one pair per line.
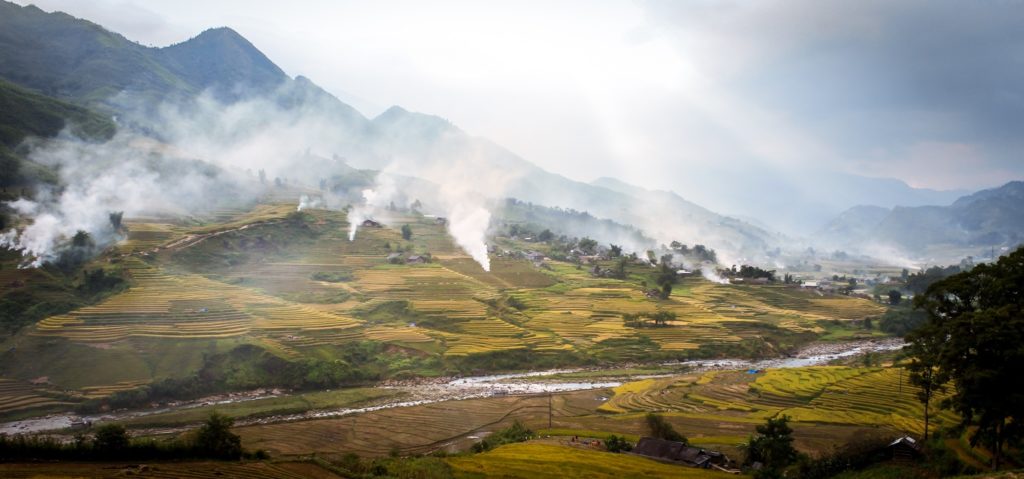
772, 447
213, 440
517, 432
973, 335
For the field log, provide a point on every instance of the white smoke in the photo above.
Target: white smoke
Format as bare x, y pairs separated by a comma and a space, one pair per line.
468, 224
125, 174
360, 212
307, 202
709, 273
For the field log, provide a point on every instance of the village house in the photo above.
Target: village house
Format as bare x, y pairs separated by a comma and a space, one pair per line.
679, 453
415, 259
368, 223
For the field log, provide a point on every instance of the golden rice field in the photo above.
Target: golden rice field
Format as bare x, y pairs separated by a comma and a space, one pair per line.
545, 459
868, 397
411, 430
271, 298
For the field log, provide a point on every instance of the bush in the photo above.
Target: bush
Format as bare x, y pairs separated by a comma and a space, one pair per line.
618, 444
517, 432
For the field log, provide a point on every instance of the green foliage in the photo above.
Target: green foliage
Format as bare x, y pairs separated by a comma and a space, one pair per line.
111, 438
772, 447
406, 232
618, 444
333, 276
517, 432
662, 429
895, 297
587, 245
215, 437
973, 336
901, 321
213, 440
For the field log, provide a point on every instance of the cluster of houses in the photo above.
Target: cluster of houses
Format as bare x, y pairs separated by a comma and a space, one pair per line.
400, 258
903, 449
674, 452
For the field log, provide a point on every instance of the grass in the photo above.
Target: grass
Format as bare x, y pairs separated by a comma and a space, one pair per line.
540, 460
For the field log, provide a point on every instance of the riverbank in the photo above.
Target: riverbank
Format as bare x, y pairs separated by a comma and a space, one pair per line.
421, 391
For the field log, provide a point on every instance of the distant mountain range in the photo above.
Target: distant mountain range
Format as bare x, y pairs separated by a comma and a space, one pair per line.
80, 62
986, 219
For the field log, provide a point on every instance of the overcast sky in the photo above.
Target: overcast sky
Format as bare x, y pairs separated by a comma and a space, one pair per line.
659, 93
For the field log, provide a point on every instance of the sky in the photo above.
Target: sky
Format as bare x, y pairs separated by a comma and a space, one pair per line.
666, 94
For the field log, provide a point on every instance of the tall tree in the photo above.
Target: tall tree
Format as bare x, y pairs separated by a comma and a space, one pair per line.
925, 351
772, 447
976, 328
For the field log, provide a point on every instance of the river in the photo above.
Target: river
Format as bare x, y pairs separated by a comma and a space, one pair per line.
426, 391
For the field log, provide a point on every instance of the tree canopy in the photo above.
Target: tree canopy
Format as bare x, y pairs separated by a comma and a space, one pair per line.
973, 336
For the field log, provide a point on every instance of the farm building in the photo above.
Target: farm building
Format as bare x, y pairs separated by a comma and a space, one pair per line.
679, 453
904, 448
415, 259
368, 223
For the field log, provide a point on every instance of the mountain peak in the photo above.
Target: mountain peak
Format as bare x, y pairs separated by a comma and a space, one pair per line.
222, 59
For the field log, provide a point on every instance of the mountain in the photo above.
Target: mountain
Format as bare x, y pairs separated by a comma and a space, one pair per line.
986, 219
799, 200
852, 225
221, 59
104, 69
24, 113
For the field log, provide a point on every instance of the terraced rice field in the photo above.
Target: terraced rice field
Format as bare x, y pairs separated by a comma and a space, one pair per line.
21, 396
416, 429
545, 459
186, 307
869, 397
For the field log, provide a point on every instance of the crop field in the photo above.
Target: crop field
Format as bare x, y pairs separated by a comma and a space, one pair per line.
828, 406
416, 429
295, 283
863, 397
167, 470
21, 396
541, 459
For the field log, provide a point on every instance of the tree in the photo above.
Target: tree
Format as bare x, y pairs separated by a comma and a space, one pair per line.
615, 251
587, 245
895, 297
666, 276
406, 232
772, 447
115, 220
925, 349
546, 235
216, 439
110, 438
662, 429
661, 318
973, 336
617, 444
